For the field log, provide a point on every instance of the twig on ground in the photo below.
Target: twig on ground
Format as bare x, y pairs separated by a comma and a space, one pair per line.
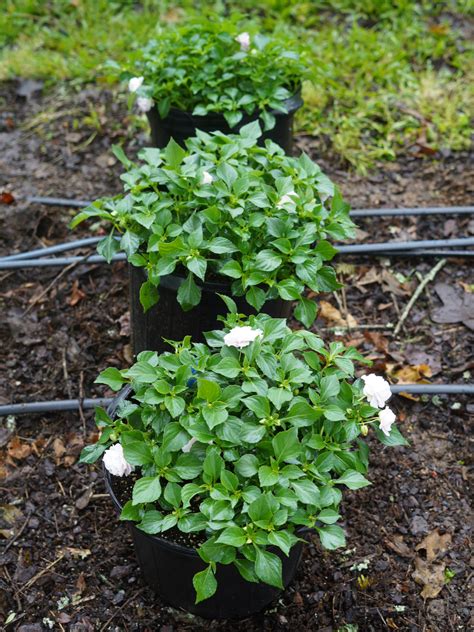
22, 528
126, 603
50, 285
429, 277
41, 573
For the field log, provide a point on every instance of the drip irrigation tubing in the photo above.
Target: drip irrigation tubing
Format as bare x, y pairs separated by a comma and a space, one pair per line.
363, 212
421, 247
75, 404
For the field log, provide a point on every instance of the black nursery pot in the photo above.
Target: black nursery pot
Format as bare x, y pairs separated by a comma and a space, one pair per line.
166, 319
168, 568
182, 125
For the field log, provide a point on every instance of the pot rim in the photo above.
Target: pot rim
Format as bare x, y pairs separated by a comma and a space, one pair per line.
295, 102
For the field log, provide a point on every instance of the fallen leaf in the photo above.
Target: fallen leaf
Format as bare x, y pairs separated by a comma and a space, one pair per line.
430, 576
379, 341
434, 544
18, 449
81, 583
59, 450
391, 284
412, 374
397, 544
331, 313
456, 308
10, 514
6, 198
76, 294
74, 552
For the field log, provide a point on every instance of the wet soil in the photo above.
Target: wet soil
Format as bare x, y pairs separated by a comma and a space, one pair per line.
67, 564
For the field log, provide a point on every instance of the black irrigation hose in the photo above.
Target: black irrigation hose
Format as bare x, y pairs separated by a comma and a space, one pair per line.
52, 250
363, 212
75, 404
393, 248
395, 212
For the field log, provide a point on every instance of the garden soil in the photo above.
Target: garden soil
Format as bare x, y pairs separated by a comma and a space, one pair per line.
66, 563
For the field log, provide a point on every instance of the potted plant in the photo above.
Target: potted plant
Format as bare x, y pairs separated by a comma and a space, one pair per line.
224, 216
223, 454
216, 75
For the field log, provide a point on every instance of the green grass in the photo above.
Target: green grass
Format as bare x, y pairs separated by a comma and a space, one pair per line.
386, 74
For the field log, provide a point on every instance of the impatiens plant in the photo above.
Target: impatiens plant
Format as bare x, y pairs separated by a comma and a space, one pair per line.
247, 440
215, 66
225, 207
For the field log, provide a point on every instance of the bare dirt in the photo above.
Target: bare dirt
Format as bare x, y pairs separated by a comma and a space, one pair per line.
66, 563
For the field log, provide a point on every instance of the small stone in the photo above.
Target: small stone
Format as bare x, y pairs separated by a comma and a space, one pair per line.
31, 627
418, 526
298, 599
119, 597
436, 609
119, 572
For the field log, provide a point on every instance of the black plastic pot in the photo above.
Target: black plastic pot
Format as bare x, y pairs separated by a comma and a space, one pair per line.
166, 319
168, 568
182, 125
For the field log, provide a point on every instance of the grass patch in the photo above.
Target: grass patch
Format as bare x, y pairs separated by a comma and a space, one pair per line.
386, 74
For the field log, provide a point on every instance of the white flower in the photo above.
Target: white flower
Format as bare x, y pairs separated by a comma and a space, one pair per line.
206, 177
244, 40
286, 198
115, 462
135, 83
241, 336
144, 104
387, 417
376, 389
189, 445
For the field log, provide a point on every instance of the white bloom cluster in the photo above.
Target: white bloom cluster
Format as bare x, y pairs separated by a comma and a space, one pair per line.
241, 336
377, 390
115, 462
244, 40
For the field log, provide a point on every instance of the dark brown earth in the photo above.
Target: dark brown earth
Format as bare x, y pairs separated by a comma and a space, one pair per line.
67, 564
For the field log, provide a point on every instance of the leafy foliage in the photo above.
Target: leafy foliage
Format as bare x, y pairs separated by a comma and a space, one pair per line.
262, 224
200, 67
275, 433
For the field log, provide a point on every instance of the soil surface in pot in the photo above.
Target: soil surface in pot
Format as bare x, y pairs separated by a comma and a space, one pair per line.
66, 562
123, 487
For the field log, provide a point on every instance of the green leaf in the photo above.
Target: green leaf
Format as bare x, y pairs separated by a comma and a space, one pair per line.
189, 294
215, 415
129, 242
329, 386
247, 465
152, 522
230, 303
91, 453
267, 476
332, 537
301, 414
306, 491
172, 494
352, 479
268, 568
306, 311
228, 367
289, 290
111, 377
286, 445
142, 372
394, 438
325, 249
149, 295
121, 157
188, 492
130, 512
205, 584
221, 245
247, 569
208, 390
174, 154
174, 437
256, 297
328, 516
137, 453
213, 464
267, 260
198, 265
233, 536
231, 269
283, 540
175, 405
108, 246
146, 490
